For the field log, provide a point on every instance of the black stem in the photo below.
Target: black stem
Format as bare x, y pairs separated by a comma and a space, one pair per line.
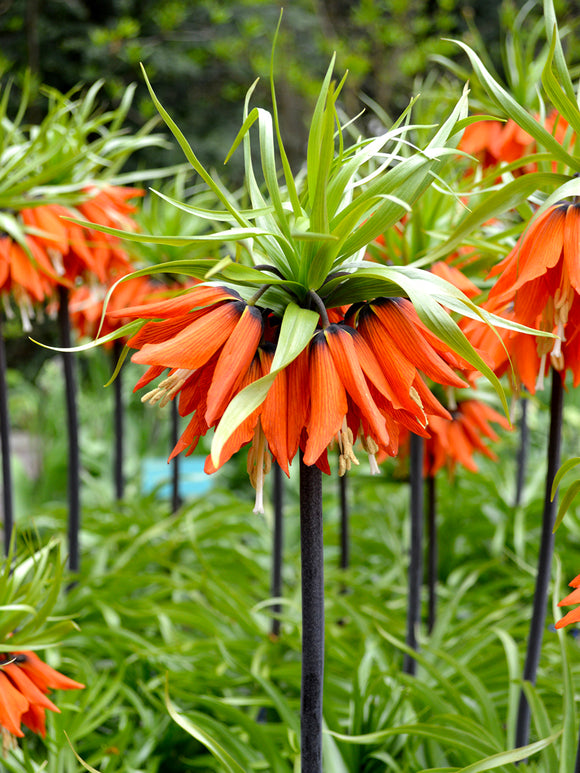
577, 765
118, 474
522, 451
72, 432
416, 550
538, 619
277, 545
7, 501
432, 552
312, 561
175, 498
344, 522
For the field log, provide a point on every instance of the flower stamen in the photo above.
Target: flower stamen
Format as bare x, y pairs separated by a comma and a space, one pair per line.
168, 388
345, 443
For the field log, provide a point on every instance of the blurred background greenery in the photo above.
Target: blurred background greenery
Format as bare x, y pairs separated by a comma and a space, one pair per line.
202, 55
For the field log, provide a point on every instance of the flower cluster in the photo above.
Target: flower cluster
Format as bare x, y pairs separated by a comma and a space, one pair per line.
538, 286
55, 251
360, 378
495, 142
25, 683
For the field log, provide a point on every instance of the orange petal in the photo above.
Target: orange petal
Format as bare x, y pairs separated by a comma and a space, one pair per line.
195, 298
44, 676
572, 617
345, 358
327, 400
195, 344
234, 360
571, 598
298, 386
402, 328
572, 245
35, 720
12, 706
27, 687
274, 415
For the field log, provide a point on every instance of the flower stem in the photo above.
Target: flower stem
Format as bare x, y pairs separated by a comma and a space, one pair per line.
7, 501
312, 561
72, 432
277, 544
522, 451
344, 522
175, 498
432, 551
538, 619
416, 550
118, 476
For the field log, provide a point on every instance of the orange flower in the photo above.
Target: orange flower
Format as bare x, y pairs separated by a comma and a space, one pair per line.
454, 441
25, 681
492, 142
86, 305
359, 378
480, 139
539, 286
572, 598
73, 250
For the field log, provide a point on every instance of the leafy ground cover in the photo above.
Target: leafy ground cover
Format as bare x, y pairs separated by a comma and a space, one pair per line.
173, 642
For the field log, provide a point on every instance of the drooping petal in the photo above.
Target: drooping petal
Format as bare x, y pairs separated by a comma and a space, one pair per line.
327, 400
572, 245
394, 315
44, 676
27, 687
274, 415
571, 598
195, 344
234, 360
12, 706
298, 385
345, 358
571, 617
245, 432
196, 298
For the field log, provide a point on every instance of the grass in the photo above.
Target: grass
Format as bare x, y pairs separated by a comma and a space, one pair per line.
182, 674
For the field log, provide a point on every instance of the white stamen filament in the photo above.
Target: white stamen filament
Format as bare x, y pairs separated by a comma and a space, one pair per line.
373, 465
540, 379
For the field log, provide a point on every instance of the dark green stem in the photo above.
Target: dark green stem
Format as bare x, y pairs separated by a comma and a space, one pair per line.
432, 552
7, 501
312, 563
538, 619
118, 475
416, 550
522, 451
277, 545
344, 522
175, 498
74, 509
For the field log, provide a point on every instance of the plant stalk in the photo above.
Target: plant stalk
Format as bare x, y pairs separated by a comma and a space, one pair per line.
522, 451
277, 545
118, 472
416, 550
72, 432
312, 564
432, 551
7, 492
344, 522
175, 462
538, 619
